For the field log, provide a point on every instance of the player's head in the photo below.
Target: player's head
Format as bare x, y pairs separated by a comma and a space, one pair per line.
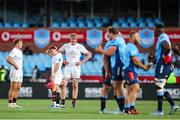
52, 50
73, 38
18, 43
134, 37
112, 32
158, 29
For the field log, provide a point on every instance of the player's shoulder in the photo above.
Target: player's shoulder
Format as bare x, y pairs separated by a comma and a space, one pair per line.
164, 36
131, 46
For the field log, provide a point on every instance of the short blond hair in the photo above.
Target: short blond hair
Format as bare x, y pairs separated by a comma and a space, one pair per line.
73, 35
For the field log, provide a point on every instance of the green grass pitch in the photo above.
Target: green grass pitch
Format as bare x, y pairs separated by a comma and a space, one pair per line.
86, 109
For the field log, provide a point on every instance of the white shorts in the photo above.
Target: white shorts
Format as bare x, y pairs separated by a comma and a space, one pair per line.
58, 79
72, 72
16, 76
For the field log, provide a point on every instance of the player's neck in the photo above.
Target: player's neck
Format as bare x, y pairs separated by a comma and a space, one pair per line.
18, 47
73, 43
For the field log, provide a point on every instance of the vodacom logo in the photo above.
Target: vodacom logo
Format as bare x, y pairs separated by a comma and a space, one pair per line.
56, 36
5, 36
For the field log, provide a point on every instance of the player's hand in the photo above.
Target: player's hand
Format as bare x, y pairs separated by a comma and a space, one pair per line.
79, 63
16, 67
107, 75
65, 62
147, 67
99, 49
52, 77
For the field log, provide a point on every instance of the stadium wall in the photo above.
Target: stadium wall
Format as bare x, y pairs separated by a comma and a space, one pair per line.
86, 91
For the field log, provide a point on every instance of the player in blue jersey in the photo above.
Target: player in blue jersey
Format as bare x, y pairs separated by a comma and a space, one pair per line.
163, 69
130, 72
116, 52
106, 72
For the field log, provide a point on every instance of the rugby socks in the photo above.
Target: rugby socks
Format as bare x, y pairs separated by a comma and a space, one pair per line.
103, 102
160, 101
169, 99
115, 97
160, 95
54, 97
62, 101
10, 101
57, 98
120, 101
74, 101
132, 105
14, 100
127, 108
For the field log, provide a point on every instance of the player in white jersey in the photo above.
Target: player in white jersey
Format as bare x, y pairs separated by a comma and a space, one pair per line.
15, 58
72, 70
56, 75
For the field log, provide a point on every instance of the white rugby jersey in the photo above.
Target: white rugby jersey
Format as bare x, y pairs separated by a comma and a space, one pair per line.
17, 56
57, 59
73, 52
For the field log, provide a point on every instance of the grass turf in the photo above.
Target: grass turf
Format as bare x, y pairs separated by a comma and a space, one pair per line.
86, 109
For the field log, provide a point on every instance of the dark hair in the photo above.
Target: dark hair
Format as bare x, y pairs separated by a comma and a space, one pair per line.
16, 41
159, 25
113, 30
132, 33
52, 47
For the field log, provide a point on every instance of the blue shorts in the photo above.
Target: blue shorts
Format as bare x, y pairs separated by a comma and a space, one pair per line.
163, 71
117, 73
131, 77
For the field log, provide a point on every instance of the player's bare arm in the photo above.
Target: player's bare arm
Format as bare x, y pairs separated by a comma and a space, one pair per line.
88, 56
11, 61
139, 64
108, 52
106, 66
167, 47
57, 66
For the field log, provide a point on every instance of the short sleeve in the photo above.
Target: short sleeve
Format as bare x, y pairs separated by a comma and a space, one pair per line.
12, 53
62, 49
133, 51
114, 43
58, 59
83, 49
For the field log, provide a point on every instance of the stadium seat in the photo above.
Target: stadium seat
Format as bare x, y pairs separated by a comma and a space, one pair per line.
81, 25
55, 25
99, 24
64, 24
116, 24
90, 25
124, 25
1, 25
150, 24
142, 25
25, 25
130, 19
157, 20
148, 20
133, 24
72, 24
8, 25
121, 20
16, 25
139, 20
